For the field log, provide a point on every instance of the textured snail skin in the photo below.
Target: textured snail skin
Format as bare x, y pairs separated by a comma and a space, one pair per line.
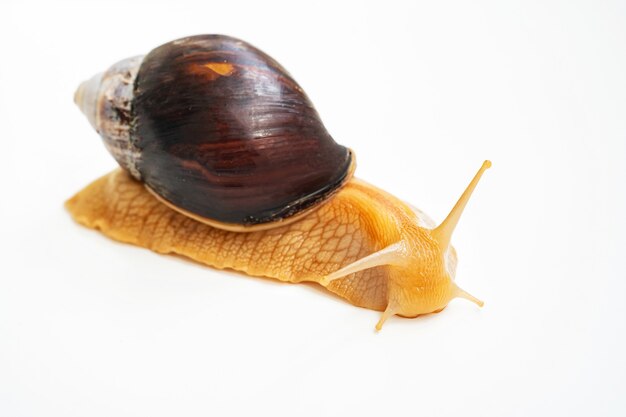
363, 244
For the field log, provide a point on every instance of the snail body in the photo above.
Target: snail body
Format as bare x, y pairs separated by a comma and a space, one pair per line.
350, 237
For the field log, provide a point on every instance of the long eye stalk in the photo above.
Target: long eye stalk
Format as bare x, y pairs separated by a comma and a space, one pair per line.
443, 232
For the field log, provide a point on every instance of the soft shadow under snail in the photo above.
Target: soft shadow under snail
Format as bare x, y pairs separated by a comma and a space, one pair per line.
226, 161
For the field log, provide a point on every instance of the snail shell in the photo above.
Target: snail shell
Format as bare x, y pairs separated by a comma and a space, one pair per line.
217, 130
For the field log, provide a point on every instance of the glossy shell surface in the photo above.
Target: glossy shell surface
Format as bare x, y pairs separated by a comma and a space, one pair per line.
226, 134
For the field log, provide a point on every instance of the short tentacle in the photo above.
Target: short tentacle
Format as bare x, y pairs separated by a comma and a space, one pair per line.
461, 293
389, 311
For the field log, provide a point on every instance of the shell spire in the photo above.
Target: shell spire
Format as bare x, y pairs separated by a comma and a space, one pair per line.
106, 100
86, 98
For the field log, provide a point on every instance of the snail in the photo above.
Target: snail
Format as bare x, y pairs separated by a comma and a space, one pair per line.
224, 160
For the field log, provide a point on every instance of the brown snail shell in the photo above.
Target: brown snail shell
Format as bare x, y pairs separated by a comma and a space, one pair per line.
217, 130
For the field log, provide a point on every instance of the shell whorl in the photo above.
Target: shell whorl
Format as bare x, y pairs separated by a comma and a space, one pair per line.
106, 99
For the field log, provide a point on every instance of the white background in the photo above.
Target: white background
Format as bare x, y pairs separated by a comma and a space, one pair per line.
423, 93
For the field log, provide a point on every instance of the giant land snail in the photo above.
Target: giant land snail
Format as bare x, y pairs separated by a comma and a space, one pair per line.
225, 161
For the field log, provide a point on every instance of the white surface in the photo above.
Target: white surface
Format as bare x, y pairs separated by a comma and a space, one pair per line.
423, 93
